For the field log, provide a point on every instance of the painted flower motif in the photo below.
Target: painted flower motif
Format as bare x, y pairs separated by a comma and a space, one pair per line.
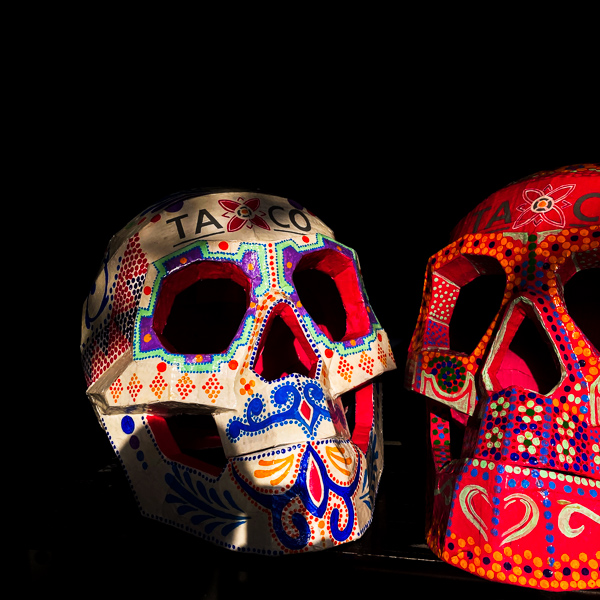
493, 438
499, 409
449, 372
544, 205
247, 386
242, 213
528, 442
566, 452
530, 412
565, 425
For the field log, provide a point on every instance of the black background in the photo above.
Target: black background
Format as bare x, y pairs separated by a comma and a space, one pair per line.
388, 147
390, 184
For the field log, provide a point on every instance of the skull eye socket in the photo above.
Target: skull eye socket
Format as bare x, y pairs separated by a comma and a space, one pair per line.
328, 288
200, 307
480, 282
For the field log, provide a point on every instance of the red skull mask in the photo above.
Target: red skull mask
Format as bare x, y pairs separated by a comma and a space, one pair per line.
514, 485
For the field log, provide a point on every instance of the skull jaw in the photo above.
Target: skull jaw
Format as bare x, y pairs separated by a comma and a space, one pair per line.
504, 519
295, 497
526, 527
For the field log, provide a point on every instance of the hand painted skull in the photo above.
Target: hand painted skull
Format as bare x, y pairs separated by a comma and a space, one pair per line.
514, 406
231, 356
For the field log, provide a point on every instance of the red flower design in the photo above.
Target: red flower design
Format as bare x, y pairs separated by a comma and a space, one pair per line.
544, 205
242, 212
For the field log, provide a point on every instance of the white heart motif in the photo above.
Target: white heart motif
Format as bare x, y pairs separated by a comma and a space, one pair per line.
525, 526
565, 515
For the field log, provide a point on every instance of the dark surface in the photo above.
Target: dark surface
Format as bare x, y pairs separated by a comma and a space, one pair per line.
89, 536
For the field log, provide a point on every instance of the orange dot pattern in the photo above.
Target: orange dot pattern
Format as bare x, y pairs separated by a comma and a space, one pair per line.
345, 369
516, 523
134, 387
508, 524
116, 389
575, 571
212, 388
366, 363
563, 254
345, 497
158, 385
382, 355
185, 386
247, 386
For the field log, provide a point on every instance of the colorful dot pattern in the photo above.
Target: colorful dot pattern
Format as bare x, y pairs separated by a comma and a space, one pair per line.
516, 528
269, 268
531, 430
248, 257
276, 260
325, 466
533, 269
110, 335
328, 485
334, 491
524, 508
439, 434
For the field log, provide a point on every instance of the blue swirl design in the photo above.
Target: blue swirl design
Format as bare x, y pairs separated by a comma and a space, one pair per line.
205, 506
286, 402
276, 504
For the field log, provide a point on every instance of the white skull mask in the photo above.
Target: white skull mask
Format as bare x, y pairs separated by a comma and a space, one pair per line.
218, 340
520, 501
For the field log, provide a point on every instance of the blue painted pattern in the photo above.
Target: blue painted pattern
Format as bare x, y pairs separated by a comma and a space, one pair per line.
287, 401
277, 503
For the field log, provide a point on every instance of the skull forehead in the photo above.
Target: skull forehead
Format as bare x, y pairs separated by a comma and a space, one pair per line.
230, 216
545, 201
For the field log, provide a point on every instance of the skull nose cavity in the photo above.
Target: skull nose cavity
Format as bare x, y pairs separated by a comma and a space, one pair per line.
283, 348
525, 357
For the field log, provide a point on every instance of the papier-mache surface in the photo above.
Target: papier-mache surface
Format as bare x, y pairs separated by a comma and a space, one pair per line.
182, 219
517, 498
548, 200
231, 424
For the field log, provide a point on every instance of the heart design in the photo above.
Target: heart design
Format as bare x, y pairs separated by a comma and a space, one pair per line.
565, 516
525, 526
